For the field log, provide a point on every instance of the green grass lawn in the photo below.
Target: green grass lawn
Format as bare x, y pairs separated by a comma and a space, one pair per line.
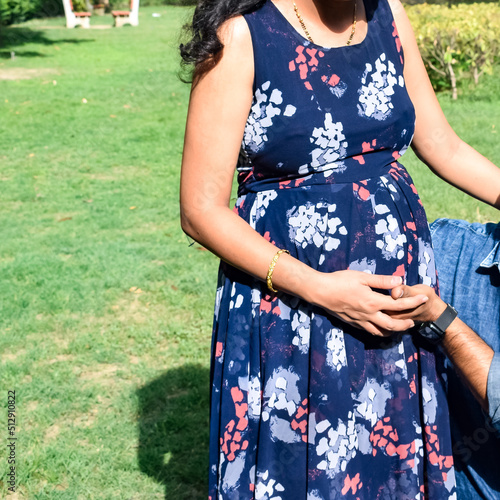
106, 308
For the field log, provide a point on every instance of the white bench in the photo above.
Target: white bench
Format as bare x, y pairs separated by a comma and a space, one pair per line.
75, 18
127, 16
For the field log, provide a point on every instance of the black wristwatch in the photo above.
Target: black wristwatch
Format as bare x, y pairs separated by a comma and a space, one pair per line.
434, 331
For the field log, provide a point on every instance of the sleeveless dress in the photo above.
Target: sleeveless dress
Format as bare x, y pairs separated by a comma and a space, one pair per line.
304, 406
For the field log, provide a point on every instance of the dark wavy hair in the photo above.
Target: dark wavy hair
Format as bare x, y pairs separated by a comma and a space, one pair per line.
203, 49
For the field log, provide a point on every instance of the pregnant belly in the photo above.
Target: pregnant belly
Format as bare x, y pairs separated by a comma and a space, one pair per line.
377, 225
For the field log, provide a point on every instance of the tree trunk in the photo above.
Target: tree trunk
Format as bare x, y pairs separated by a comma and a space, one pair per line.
453, 80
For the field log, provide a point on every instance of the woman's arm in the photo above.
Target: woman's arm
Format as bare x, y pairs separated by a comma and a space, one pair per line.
435, 142
218, 109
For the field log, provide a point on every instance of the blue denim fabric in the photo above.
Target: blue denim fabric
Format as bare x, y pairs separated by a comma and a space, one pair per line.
468, 264
493, 391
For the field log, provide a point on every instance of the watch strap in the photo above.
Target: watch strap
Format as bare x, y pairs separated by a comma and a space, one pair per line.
446, 318
434, 331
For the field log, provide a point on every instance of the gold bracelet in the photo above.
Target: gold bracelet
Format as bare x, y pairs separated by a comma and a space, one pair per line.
271, 269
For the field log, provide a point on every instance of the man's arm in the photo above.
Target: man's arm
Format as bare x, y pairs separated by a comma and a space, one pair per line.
471, 356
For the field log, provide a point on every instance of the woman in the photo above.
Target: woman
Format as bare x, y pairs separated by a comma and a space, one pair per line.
311, 398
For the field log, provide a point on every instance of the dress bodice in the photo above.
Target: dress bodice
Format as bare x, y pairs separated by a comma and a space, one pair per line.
324, 115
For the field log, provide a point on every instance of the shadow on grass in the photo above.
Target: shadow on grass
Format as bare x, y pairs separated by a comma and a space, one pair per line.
20, 53
173, 431
14, 37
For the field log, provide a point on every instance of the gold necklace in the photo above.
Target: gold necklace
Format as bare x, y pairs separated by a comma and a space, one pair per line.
309, 37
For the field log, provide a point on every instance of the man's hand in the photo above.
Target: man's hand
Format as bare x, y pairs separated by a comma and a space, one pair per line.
470, 355
428, 311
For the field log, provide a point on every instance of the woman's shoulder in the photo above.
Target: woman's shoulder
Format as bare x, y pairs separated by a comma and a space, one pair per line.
404, 29
400, 17
235, 61
237, 50
235, 33
395, 5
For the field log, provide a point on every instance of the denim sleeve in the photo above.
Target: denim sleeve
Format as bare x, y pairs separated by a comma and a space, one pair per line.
494, 390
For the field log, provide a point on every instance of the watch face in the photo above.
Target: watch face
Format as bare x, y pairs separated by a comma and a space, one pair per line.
432, 334
435, 331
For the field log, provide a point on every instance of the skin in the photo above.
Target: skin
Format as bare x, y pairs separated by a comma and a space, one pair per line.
219, 105
470, 355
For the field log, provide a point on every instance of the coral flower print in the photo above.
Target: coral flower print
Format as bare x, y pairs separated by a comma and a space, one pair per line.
305, 62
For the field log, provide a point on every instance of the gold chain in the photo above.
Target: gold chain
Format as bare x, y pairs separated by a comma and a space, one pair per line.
309, 37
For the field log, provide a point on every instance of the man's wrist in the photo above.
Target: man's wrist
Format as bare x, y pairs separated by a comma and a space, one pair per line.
437, 307
435, 330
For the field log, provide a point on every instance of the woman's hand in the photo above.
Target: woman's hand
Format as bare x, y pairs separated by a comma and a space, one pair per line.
349, 295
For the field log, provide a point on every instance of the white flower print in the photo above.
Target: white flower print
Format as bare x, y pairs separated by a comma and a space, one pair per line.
307, 225
314, 495
236, 303
366, 265
315, 224
403, 150
256, 298
334, 225
301, 326
430, 401
331, 146
234, 470
218, 298
336, 446
267, 488
261, 204
233, 294
390, 187
253, 388
392, 240
419, 449
401, 363
281, 392
374, 397
426, 266
265, 106
377, 88
335, 349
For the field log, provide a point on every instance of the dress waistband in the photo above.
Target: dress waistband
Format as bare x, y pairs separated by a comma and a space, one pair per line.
248, 183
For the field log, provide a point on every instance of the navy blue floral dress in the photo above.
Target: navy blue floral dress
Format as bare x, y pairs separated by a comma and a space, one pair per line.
304, 406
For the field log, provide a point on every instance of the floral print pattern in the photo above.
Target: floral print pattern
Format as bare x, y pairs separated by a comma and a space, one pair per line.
378, 82
266, 105
331, 145
304, 406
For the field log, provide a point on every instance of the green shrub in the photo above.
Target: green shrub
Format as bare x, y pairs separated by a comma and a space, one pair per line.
79, 5
16, 11
457, 43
